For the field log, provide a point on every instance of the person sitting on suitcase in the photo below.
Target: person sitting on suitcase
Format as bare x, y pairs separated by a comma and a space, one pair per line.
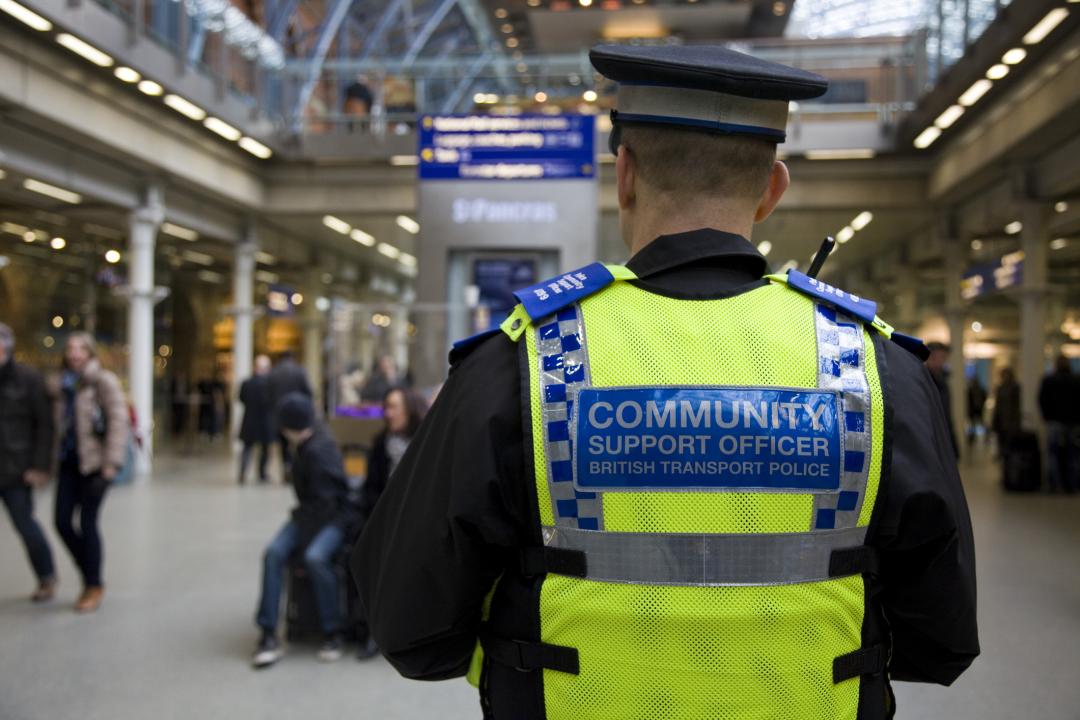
316, 527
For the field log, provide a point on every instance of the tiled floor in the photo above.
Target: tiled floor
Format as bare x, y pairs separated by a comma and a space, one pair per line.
173, 637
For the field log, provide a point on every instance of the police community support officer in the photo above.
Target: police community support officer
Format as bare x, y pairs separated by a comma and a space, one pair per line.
677, 489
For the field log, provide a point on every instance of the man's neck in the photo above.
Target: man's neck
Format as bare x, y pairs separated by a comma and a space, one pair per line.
664, 219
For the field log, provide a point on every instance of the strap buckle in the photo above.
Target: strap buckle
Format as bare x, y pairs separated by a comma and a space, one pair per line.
527, 656
864, 661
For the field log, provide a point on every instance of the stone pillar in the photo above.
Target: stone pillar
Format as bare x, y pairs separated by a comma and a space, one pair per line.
1033, 295
243, 316
143, 225
311, 321
955, 250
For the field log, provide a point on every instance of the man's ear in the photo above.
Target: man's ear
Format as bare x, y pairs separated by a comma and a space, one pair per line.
625, 176
779, 179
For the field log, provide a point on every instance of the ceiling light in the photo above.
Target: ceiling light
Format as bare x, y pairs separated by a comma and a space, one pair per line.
501, 13
58, 243
589, 96
764, 247
862, 220
840, 154
407, 224
976, 326
179, 231
222, 128
976, 244
52, 191
404, 160
29, 236
1058, 243
185, 108
1061, 206
266, 276
362, 237
1014, 227
1045, 26
58, 321
264, 257
540, 97
511, 42
507, 28
478, 98
846, 233
256, 148
407, 260
977, 90
996, 72
197, 257
951, 115
127, 74
1014, 56
389, 251
84, 50
533, 3
927, 137
297, 299
522, 67
151, 88
112, 256
25, 15
14, 228
211, 277
585, 3
336, 224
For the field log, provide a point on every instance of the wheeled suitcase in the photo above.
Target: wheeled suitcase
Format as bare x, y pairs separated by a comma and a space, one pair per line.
1021, 463
301, 611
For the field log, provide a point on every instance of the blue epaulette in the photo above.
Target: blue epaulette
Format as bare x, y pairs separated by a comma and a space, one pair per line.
560, 292
463, 347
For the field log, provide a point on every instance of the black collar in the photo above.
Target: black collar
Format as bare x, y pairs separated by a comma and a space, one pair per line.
699, 265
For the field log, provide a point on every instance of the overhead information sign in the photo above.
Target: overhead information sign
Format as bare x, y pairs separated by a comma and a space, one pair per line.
522, 147
1008, 272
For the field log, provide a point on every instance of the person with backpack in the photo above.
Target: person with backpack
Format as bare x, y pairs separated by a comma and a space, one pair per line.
94, 430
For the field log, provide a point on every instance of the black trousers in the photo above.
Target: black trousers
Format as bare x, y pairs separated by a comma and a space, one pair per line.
19, 500
82, 494
245, 459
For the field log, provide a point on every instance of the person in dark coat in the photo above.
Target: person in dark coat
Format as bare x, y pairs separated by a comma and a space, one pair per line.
1059, 402
384, 376
976, 404
257, 426
286, 377
939, 356
1006, 421
26, 438
317, 528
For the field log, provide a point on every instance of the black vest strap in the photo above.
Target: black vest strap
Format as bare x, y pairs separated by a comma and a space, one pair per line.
858, 560
864, 661
540, 560
527, 656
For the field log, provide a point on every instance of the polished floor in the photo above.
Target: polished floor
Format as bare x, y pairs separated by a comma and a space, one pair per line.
173, 637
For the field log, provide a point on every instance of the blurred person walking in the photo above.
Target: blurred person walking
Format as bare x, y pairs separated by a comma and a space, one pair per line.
939, 373
976, 405
94, 428
257, 428
1059, 401
286, 377
1006, 419
317, 527
26, 445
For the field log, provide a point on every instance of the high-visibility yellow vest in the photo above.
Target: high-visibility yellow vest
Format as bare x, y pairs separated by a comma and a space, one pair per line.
705, 473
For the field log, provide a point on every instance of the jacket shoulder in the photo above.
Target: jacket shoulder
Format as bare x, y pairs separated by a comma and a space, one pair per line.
560, 292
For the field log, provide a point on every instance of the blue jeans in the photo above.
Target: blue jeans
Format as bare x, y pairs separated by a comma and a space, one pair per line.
318, 556
19, 500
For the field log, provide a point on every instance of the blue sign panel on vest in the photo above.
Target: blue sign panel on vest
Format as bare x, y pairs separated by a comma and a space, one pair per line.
557, 293
865, 310
672, 438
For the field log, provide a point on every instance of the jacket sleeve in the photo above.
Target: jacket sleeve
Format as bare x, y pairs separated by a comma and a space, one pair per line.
117, 419
923, 534
445, 526
44, 431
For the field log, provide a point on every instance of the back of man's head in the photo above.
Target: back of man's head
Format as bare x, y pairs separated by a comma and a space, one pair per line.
687, 165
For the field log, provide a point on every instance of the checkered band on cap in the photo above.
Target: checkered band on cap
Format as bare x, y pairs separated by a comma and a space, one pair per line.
564, 370
842, 367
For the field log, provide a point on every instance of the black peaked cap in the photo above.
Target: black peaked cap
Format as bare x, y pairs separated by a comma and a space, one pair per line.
706, 67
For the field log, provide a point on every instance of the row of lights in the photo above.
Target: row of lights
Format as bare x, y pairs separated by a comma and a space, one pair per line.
133, 77
589, 96
1015, 227
405, 222
995, 72
56, 243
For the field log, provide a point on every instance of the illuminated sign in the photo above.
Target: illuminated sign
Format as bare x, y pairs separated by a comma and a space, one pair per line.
521, 147
994, 277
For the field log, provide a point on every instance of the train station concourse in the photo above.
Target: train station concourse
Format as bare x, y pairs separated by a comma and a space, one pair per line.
239, 239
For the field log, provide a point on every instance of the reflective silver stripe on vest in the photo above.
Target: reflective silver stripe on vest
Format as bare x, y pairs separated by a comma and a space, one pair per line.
842, 367
564, 370
706, 560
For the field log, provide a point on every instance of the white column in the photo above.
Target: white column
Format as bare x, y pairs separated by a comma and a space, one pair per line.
243, 317
1033, 312
955, 251
143, 222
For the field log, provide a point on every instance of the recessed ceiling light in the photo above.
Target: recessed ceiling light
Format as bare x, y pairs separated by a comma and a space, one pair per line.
222, 128
389, 251
507, 28
179, 231
976, 244
511, 42
950, 116
127, 74
1014, 227
336, 224
764, 247
404, 160
1061, 206
846, 233
58, 243
540, 96
85, 50
1014, 56
501, 13
57, 193
977, 90
112, 256
1058, 243
1045, 26
840, 154
184, 107
585, 3
151, 88
255, 147
407, 224
362, 237
589, 96
407, 260
996, 72
862, 220
927, 137
25, 15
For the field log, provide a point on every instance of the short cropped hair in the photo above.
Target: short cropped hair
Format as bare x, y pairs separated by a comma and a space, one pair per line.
696, 163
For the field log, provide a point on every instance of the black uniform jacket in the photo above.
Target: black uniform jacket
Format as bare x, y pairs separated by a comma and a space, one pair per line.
463, 500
